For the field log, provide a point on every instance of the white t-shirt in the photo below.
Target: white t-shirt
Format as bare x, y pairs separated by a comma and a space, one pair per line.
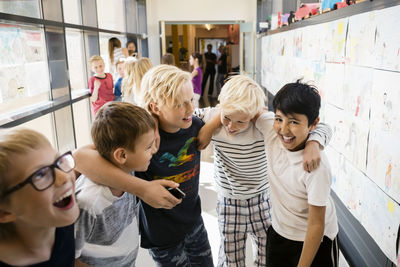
106, 232
292, 189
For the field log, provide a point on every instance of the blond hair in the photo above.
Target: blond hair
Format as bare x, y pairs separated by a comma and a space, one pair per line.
95, 58
243, 94
162, 85
134, 72
119, 124
14, 142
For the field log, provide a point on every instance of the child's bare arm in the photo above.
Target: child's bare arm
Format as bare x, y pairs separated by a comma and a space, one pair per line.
318, 139
314, 234
95, 94
206, 132
153, 192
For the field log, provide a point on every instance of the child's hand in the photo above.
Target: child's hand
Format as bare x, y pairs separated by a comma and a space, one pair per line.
95, 94
156, 195
311, 156
254, 119
206, 132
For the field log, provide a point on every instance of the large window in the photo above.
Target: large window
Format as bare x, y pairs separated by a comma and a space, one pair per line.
111, 15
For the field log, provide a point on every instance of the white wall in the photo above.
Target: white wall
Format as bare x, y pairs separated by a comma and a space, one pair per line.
193, 10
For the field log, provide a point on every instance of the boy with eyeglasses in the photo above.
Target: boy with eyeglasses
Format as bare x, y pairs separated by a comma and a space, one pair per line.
107, 231
37, 201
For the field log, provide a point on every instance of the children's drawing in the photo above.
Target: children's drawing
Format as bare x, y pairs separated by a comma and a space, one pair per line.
387, 49
360, 44
334, 40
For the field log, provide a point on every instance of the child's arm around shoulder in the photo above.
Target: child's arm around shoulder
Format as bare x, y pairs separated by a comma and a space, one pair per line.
318, 139
95, 167
264, 121
213, 123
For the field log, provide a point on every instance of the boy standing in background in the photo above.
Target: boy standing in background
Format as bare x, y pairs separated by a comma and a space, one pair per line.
100, 84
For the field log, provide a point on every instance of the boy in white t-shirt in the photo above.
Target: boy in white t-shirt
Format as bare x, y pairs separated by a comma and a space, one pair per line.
107, 230
304, 224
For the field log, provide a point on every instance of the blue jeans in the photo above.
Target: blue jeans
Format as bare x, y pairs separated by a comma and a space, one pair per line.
194, 250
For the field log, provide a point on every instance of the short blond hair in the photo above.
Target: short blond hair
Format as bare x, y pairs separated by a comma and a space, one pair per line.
243, 94
95, 58
162, 85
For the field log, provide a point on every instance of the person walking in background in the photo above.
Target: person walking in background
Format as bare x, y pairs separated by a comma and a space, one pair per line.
195, 60
211, 60
222, 69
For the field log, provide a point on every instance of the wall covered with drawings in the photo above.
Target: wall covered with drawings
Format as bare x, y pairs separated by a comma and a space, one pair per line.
355, 63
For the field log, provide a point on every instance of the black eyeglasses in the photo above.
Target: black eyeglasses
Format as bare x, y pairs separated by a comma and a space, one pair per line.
45, 176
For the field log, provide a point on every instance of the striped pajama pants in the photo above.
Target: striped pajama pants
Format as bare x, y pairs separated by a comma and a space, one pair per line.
238, 218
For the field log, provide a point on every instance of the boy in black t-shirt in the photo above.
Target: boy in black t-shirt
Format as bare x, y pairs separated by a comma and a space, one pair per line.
175, 237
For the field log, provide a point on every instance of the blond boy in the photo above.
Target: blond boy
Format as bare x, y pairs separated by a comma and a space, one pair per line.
175, 237
107, 231
37, 201
100, 84
240, 165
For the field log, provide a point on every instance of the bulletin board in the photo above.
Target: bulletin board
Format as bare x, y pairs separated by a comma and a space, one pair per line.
355, 64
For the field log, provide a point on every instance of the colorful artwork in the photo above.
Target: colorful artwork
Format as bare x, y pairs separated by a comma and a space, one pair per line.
387, 47
360, 101
360, 44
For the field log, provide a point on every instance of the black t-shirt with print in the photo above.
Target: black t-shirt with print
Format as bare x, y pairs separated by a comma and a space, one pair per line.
178, 160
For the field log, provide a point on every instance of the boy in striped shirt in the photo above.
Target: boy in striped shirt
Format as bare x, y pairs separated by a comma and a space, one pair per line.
240, 169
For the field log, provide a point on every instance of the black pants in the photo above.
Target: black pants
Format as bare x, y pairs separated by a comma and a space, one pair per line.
283, 252
203, 84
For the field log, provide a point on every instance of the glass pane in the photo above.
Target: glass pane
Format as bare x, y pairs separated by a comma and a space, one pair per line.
29, 8
92, 48
57, 63
24, 74
89, 14
43, 125
111, 15
142, 18
72, 11
76, 59
52, 10
104, 37
64, 129
131, 18
82, 122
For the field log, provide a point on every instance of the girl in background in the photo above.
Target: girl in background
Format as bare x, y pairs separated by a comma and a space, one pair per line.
134, 71
197, 76
115, 52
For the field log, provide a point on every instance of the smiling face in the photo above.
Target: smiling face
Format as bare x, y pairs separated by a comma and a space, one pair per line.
292, 129
176, 116
235, 122
139, 159
98, 67
52, 207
